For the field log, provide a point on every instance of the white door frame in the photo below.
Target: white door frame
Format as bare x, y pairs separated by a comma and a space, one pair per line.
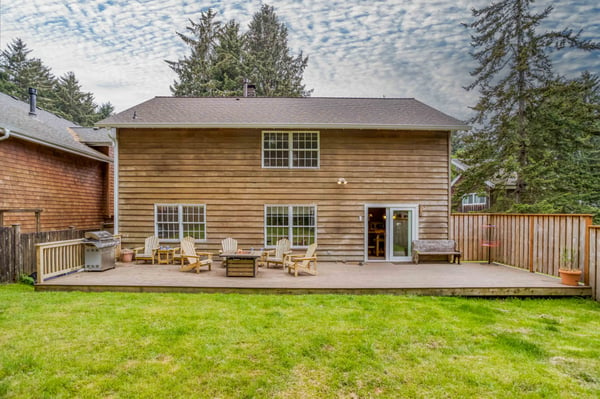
414, 208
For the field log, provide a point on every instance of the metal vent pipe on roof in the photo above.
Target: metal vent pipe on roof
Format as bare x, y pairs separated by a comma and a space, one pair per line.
32, 101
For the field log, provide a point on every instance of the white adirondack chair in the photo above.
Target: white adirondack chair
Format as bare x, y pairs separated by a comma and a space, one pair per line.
306, 263
148, 251
277, 257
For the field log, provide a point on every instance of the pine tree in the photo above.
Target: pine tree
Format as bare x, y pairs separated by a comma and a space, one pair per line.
194, 71
513, 73
19, 72
221, 57
272, 68
73, 104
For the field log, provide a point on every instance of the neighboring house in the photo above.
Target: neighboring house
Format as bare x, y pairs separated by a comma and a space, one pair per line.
361, 176
52, 165
477, 202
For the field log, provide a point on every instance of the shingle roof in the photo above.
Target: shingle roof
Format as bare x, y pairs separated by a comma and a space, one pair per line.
93, 135
269, 112
44, 128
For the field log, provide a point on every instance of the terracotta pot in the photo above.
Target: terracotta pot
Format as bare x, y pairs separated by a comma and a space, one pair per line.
570, 277
126, 256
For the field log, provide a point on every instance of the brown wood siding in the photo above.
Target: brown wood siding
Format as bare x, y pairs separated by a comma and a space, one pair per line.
70, 189
222, 169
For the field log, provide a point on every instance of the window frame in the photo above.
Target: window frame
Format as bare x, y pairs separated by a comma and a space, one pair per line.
290, 226
291, 150
472, 197
180, 221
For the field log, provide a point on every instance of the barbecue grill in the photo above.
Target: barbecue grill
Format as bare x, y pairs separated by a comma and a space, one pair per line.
99, 251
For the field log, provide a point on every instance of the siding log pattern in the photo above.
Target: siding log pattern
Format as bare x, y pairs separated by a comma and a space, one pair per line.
70, 189
222, 169
531, 242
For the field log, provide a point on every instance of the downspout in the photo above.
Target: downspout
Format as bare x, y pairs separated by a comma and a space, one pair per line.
115, 182
4, 133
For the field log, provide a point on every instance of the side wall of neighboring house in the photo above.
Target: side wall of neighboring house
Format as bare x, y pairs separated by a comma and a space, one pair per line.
70, 189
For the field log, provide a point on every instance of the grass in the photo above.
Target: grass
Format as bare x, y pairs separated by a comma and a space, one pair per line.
115, 345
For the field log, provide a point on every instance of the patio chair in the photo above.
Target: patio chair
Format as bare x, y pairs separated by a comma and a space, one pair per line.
276, 257
148, 251
195, 260
177, 254
228, 246
306, 263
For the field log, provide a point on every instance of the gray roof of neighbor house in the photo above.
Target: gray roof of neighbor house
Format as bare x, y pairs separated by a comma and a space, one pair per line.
281, 112
43, 128
93, 135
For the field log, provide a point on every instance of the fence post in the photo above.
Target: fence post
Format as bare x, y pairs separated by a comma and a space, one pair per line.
17, 254
586, 249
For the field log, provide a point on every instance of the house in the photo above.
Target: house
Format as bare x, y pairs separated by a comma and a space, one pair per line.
477, 202
361, 176
52, 169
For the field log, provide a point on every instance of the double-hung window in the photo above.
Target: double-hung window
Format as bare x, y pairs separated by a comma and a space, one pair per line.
172, 222
294, 222
290, 149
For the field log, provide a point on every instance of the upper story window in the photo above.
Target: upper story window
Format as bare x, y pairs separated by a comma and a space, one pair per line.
173, 222
290, 149
474, 199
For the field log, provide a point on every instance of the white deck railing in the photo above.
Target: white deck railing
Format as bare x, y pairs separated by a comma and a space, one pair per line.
59, 257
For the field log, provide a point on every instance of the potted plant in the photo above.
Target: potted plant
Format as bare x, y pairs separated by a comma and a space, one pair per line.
126, 255
568, 270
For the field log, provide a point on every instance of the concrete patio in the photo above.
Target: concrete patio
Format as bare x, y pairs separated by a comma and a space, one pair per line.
467, 279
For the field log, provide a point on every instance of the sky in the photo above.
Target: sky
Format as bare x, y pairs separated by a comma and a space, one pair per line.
357, 48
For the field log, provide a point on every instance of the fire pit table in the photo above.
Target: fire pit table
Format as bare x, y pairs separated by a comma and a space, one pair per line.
242, 264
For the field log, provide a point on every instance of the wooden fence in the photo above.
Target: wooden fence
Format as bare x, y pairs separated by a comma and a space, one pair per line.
18, 251
594, 260
532, 242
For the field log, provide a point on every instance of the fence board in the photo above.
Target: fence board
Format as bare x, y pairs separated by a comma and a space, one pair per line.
18, 251
594, 260
531, 242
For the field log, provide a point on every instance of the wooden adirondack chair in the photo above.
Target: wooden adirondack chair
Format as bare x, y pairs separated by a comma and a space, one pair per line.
148, 251
228, 246
306, 263
177, 254
195, 260
276, 257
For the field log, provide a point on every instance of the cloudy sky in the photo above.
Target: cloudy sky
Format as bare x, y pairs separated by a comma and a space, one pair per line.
356, 48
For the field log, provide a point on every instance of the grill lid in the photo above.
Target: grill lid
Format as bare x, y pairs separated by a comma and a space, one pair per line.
98, 235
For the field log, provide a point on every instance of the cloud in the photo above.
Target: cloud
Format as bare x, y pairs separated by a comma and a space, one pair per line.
359, 48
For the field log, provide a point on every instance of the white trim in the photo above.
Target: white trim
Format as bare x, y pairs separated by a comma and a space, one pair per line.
388, 207
179, 221
116, 184
290, 134
290, 219
242, 125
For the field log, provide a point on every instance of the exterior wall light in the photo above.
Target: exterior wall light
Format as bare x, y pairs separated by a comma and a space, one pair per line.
341, 180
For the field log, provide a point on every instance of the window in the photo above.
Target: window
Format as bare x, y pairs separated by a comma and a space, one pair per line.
474, 199
290, 149
294, 222
175, 221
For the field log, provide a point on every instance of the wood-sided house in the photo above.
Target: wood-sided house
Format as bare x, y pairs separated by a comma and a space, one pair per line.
361, 176
51, 165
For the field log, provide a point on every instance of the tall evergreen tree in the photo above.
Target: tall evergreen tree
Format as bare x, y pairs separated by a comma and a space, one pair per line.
194, 71
221, 58
272, 67
514, 71
19, 72
73, 104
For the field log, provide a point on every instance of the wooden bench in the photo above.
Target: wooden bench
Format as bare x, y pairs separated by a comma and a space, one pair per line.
435, 247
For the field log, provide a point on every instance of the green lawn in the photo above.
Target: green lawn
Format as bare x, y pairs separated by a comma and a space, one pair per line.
114, 345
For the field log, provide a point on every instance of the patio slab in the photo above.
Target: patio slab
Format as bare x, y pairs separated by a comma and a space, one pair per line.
467, 279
